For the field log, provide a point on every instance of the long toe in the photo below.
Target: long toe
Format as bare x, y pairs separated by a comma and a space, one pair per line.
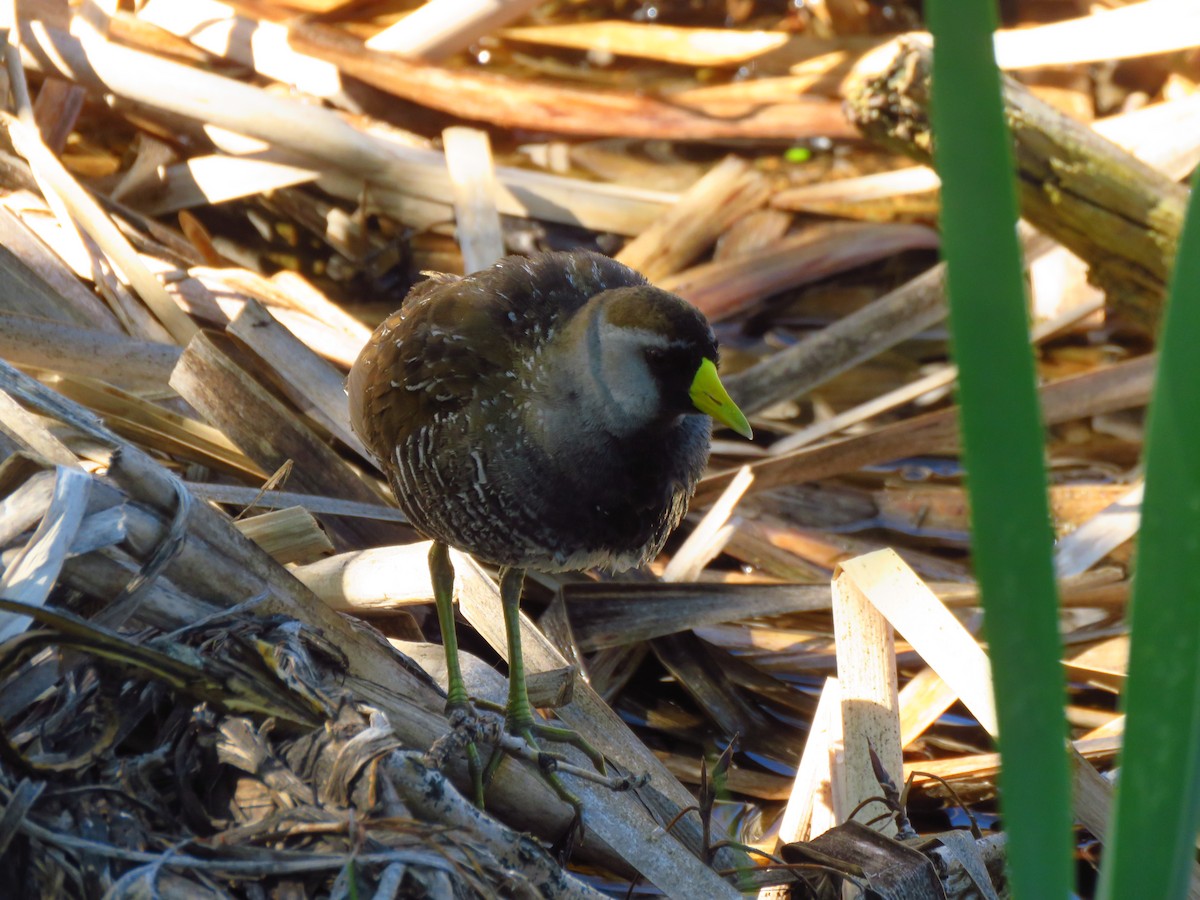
576, 740
547, 764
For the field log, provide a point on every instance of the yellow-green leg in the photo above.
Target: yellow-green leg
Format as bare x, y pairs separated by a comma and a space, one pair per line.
441, 574
518, 714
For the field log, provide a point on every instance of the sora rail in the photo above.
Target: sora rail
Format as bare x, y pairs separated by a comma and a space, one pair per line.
550, 412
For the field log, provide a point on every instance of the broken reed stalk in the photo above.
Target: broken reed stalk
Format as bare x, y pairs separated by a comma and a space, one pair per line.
313, 384
269, 432
728, 191
376, 578
473, 184
866, 665
725, 287
440, 28
239, 571
71, 350
288, 535
1120, 215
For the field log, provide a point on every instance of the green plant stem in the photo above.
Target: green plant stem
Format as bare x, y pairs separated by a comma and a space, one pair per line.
1003, 444
1153, 834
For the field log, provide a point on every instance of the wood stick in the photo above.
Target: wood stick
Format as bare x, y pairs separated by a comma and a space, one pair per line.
255, 498
709, 536
1117, 213
809, 809
725, 287
57, 109
866, 655
71, 350
987, 765
379, 578
904, 312
613, 614
290, 535
473, 181
25, 430
728, 191
1141, 29
922, 702
441, 28
269, 433
219, 295
214, 179
156, 426
160, 605
310, 382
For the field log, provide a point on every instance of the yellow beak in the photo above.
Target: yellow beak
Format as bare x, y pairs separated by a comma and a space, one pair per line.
710, 397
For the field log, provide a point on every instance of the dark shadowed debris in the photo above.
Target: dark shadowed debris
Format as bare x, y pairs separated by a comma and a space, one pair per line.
194, 764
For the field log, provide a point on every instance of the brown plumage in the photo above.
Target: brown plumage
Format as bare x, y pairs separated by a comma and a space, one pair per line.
487, 401
545, 412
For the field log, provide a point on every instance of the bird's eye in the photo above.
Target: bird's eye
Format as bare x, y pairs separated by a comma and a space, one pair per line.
655, 354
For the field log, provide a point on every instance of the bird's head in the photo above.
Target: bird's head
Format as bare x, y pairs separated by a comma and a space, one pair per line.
645, 355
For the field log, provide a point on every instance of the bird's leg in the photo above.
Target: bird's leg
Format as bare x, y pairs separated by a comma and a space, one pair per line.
518, 714
519, 717
441, 574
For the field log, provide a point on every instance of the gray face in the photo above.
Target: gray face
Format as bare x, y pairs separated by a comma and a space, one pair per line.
604, 378
629, 394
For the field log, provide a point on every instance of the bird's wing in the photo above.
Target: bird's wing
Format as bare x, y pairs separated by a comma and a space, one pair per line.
432, 356
458, 339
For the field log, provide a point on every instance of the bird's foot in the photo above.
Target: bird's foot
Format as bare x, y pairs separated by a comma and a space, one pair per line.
468, 730
524, 726
556, 734
526, 747
523, 739
549, 765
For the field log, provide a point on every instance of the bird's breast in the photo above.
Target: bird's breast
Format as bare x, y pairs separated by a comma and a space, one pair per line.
496, 490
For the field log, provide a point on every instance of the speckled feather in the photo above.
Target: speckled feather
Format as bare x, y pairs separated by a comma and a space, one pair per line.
442, 395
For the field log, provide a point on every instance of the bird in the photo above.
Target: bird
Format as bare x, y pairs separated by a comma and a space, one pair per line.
550, 412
